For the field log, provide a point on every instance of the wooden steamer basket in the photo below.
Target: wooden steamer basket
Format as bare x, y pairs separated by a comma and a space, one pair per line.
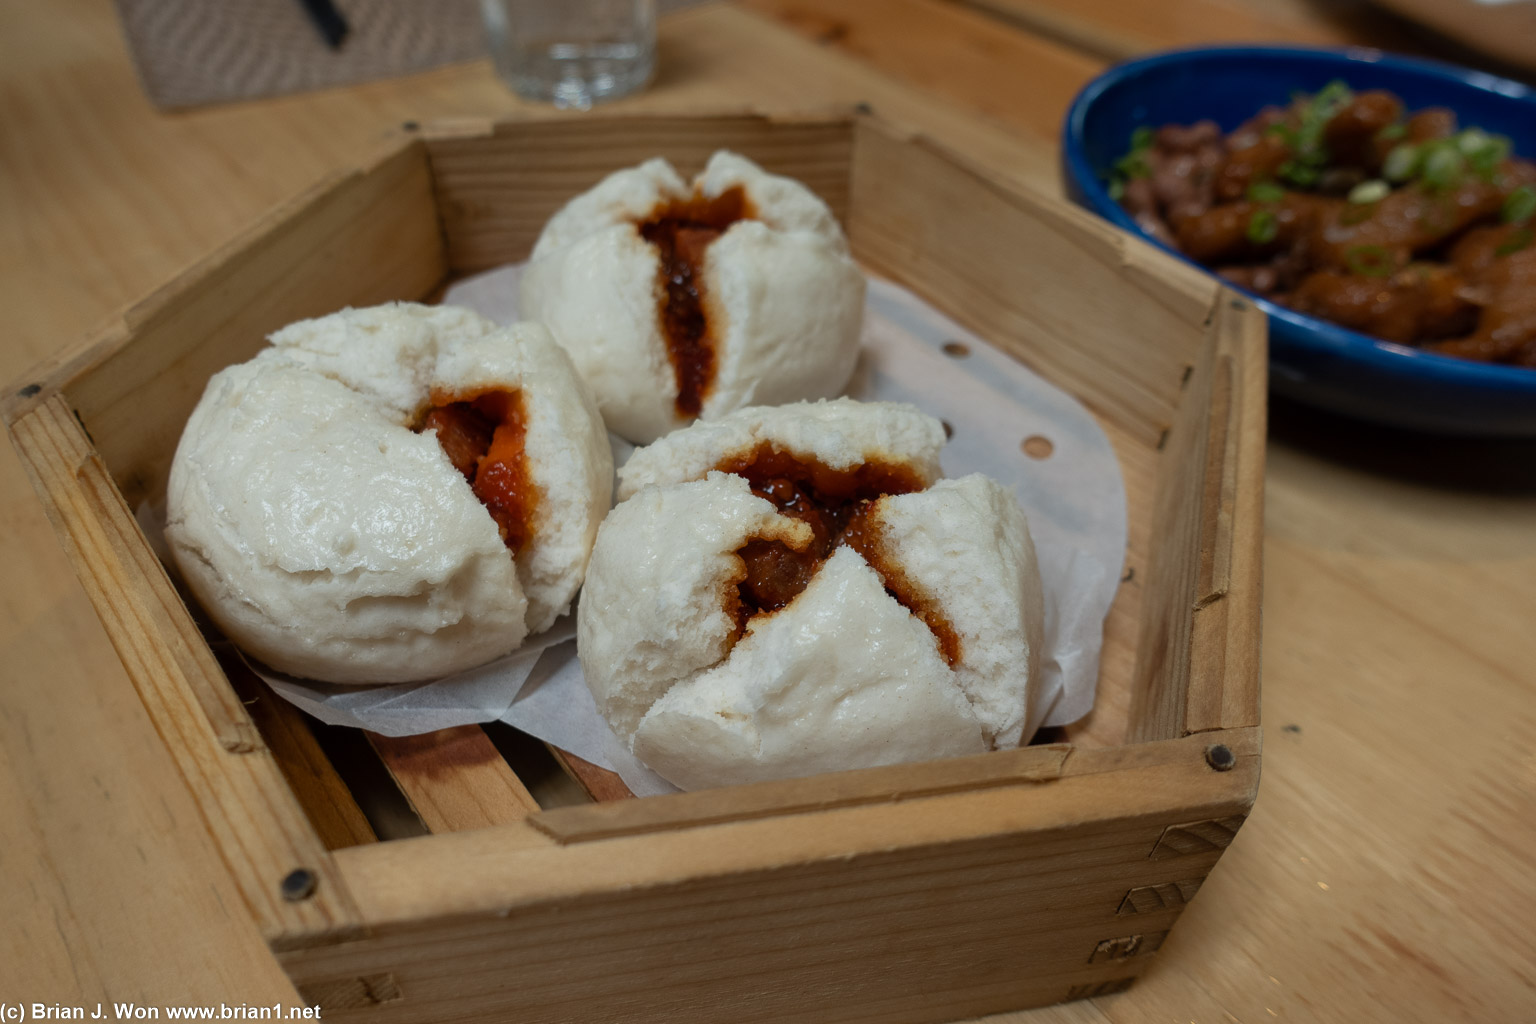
922, 892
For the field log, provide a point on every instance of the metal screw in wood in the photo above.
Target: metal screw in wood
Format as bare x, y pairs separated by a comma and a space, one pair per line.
299, 884
1220, 757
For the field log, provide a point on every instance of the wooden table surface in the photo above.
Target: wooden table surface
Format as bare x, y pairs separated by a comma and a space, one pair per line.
1386, 871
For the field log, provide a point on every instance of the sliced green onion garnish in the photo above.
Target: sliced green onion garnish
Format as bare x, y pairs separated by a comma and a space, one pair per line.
1298, 173
1133, 165
1116, 189
1517, 240
1486, 160
1263, 226
1444, 166
1392, 131
1370, 260
1472, 139
1373, 191
1330, 98
1308, 155
1265, 192
1484, 151
1401, 162
1520, 206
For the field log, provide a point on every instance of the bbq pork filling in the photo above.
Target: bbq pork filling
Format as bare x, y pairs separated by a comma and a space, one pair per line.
390, 494
681, 301
793, 590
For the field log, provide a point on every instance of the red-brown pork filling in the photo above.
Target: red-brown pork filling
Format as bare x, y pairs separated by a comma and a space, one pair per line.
484, 435
839, 507
681, 231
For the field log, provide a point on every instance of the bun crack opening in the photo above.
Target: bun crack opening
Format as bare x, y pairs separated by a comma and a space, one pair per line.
485, 436
681, 231
841, 507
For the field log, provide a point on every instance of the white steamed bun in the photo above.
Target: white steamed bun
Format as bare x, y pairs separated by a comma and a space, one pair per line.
846, 674
333, 541
779, 296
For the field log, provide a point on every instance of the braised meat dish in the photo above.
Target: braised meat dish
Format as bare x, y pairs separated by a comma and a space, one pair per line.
1344, 206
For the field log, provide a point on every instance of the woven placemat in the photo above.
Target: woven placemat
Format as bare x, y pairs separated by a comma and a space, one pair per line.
192, 52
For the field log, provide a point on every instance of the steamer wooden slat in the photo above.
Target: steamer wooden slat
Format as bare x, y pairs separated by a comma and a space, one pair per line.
455, 779
600, 784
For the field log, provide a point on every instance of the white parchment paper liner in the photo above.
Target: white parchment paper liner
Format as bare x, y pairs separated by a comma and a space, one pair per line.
1074, 498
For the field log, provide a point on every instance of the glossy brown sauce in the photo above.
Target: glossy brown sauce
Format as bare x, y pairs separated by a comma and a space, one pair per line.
838, 506
484, 435
681, 231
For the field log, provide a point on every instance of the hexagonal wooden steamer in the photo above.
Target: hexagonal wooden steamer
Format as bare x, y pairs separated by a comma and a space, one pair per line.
921, 892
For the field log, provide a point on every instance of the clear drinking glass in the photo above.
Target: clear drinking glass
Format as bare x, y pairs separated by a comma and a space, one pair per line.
572, 53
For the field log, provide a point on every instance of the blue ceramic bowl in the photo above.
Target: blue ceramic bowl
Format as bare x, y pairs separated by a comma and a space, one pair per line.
1311, 360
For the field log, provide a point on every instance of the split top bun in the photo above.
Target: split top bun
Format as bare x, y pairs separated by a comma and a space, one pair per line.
793, 590
679, 301
390, 494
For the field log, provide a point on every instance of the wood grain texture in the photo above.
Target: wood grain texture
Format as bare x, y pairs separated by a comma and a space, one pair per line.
257, 825
1152, 899
1126, 947
326, 800
497, 186
1115, 30
1198, 666
600, 784
797, 796
1226, 634
1205, 836
1107, 789
115, 889
948, 51
455, 779
970, 894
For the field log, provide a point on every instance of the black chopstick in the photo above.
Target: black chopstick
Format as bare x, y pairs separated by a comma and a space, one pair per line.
328, 21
